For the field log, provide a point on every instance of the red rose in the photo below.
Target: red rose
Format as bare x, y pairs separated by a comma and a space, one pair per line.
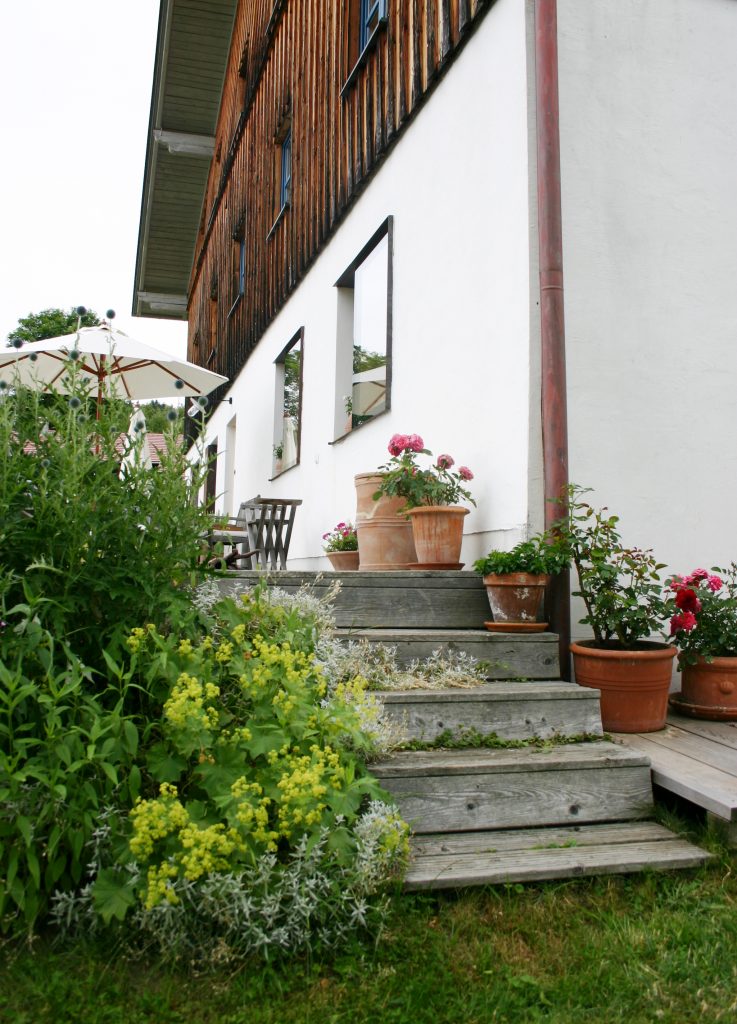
687, 600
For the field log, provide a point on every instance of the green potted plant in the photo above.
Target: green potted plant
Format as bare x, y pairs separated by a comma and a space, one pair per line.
515, 581
341, 547
278, 456
703, 622
625, 606
430, 498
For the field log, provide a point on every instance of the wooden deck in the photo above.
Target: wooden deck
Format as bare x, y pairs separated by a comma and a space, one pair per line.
695, 759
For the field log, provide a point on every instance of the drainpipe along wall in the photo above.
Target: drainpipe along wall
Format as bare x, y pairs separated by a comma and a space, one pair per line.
553, 351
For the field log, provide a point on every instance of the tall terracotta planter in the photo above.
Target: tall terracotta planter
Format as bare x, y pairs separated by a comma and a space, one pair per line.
709, 690
438, 534
515, 599
634, 684
385, 540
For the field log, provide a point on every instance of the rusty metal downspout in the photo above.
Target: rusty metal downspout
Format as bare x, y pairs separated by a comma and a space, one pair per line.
553, 349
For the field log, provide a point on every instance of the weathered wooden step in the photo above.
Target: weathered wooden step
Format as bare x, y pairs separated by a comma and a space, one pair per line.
524, 855
508, 655
415, 598
458, 790
511, 710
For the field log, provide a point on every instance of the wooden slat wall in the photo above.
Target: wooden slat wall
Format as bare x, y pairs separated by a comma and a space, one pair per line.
294, 58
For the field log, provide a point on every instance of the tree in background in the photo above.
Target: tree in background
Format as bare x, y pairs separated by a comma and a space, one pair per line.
157, 417
51, 323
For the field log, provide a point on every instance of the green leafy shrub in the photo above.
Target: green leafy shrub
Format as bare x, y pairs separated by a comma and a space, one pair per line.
67, 749
541, 555
104, 550
256, 794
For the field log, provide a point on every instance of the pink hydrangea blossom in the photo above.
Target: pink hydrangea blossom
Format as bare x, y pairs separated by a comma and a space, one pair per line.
445, 461
465, 473
714, 583
415, 443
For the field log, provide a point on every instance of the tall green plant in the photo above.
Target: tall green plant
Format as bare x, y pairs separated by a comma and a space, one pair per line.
104, 549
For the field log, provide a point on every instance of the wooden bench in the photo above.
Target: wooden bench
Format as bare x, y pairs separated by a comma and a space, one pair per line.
260, 533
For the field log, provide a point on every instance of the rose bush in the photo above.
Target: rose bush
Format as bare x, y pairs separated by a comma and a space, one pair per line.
435, 485
703, 614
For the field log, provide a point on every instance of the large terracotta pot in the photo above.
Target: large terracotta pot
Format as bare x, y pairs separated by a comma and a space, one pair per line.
634, 684
438, 533
385, 539
343, 561
515, 597
709, 690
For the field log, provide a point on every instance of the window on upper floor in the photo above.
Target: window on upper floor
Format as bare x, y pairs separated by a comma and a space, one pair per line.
363, 350
372, 13
285, 177
362, 21
288, 405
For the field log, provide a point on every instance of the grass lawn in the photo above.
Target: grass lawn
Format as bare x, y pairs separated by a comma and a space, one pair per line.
653, 947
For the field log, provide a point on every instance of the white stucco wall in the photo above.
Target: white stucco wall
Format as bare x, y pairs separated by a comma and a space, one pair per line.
648, 101
457, 187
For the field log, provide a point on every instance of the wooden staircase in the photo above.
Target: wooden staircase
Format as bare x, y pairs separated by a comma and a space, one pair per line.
546, 797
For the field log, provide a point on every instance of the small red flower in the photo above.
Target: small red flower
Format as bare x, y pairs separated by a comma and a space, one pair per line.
714, 583
465, 473
445, 461
687, 600
398, 443
415, 443
686, 621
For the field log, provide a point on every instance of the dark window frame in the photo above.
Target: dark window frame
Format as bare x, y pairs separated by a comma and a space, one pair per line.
298, 338
347, 280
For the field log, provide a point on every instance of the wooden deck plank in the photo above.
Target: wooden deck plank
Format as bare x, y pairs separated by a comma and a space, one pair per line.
678, 773
539, 865
719, 732
704, 751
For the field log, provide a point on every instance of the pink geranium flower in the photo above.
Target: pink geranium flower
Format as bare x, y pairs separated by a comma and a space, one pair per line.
465, 473
445, 461
696, 576
714, 583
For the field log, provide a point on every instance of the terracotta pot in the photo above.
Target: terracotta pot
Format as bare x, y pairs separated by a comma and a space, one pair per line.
709, 689
343, 561
438, 533
634, 684
515, 597
385, 539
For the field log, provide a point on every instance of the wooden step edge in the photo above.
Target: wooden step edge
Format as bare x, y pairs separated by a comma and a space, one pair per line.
440, 635
481, 761
464, 870
501, 692
432, 844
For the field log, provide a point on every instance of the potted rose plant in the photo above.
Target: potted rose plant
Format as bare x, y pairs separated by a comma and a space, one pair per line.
515, 581
341, 547
430, 497
703, 610
621, 589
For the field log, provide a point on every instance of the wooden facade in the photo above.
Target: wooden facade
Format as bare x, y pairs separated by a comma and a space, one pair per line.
294, 66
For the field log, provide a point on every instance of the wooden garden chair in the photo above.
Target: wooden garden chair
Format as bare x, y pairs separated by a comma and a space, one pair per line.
260, 533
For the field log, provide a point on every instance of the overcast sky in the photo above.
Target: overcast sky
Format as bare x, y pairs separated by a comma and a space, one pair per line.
75, 81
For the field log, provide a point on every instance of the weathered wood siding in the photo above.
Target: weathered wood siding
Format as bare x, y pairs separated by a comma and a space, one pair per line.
289, 64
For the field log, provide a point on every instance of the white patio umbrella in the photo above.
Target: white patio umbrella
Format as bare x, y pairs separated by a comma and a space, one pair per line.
115, 363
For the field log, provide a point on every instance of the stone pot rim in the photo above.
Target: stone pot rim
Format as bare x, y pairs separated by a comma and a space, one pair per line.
421, 509
516, 579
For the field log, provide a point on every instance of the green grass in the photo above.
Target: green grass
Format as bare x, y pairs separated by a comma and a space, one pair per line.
644, 948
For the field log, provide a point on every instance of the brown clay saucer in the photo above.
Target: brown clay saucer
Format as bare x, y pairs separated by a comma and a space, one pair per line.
706, 711
516, 627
